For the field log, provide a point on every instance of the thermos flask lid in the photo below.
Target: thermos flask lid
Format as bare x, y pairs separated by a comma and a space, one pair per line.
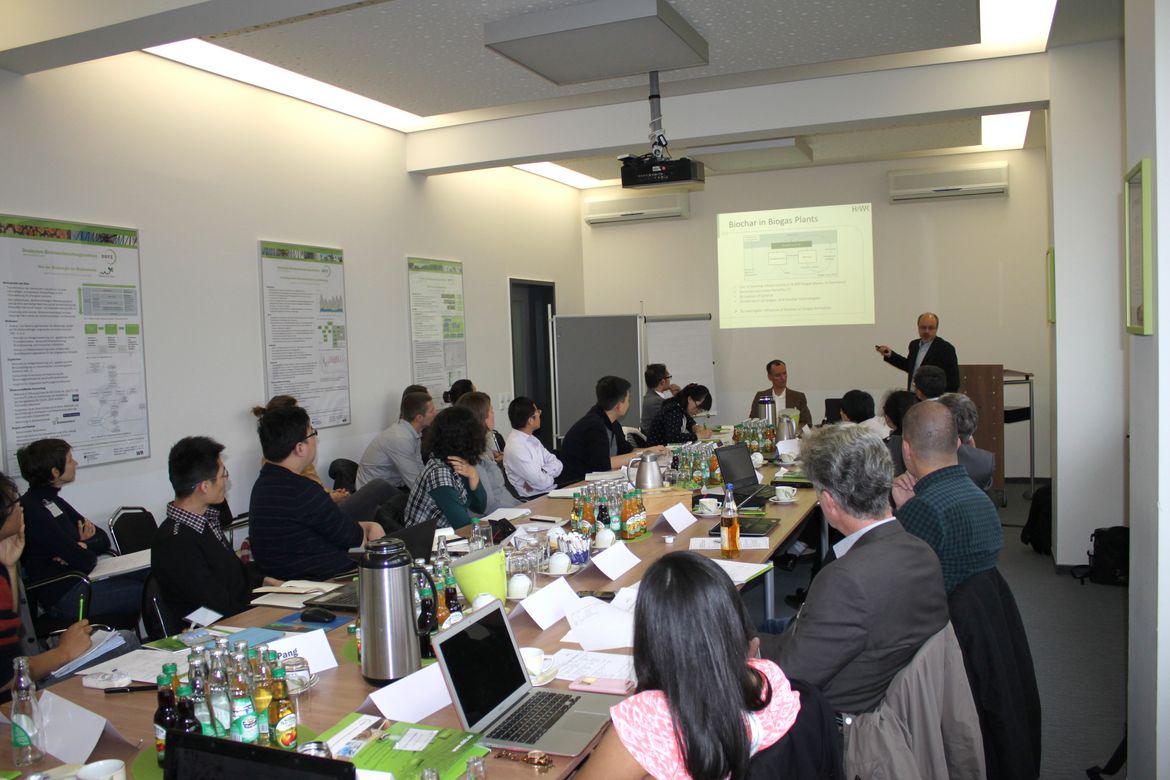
385, 553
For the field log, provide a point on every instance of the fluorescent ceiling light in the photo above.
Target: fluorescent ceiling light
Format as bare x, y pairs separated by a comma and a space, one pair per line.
216, 59
1005, 131
563, 175
1015, 22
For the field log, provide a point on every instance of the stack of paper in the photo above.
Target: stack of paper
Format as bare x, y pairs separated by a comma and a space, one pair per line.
293, 593
100, 643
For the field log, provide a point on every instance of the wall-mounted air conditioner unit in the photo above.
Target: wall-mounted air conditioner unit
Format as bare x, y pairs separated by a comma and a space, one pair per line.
989, 178
659, 205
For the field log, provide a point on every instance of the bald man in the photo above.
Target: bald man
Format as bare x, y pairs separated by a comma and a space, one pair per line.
929, 349
936, 500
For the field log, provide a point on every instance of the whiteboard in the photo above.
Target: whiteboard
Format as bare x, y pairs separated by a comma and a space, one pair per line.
683, 343
587, 348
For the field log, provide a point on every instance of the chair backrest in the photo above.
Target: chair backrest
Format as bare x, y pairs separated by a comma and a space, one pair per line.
343, 472
157, 619
132, 529
809, 748
832, 410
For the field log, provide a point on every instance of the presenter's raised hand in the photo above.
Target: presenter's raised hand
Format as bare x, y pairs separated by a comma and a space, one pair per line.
882, 350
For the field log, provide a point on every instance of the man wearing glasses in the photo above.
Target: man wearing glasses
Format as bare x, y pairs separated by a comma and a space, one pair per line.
191, 555
531, 468
297, 531
658, 389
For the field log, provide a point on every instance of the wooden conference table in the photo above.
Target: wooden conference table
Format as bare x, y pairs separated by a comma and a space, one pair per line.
342, 690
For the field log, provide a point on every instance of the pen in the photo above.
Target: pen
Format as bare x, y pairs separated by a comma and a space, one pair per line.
759, 512
462, 742
81, 607
132, 689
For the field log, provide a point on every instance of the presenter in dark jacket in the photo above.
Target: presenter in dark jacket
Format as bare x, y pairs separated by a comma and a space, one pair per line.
59, 539
191, 556
596, 442
938, 352
675, 421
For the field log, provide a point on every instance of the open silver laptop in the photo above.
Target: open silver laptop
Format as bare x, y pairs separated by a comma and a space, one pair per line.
489, 686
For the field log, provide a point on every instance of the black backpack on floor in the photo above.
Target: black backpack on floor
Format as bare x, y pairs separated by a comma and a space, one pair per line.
1038, 530
1109, 558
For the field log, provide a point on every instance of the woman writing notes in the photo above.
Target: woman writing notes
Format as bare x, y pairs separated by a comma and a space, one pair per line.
675, 421
703, 708
449, 484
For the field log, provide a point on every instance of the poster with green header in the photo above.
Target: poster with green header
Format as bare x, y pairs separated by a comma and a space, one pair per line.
72, 361
438, 325
306, 347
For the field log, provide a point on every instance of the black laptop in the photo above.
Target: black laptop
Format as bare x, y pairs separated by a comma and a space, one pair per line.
197, 757
735, 464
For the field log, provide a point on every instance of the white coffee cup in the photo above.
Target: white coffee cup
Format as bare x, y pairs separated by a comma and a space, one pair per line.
787, 457
533, 659
757, 460
519, 586
482, 600
558, 563
785, 493
109, 769
708, 506
605, 538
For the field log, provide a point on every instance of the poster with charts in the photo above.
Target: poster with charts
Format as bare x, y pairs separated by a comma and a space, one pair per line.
71, 339
306, 353
438, 327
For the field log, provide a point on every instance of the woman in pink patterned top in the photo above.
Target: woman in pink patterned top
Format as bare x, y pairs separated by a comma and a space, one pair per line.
703, 708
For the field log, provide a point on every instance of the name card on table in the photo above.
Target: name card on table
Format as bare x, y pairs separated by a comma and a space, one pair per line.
600, 626
414, 697
548, 605
616, 561
679, 517
71, 731
313, 647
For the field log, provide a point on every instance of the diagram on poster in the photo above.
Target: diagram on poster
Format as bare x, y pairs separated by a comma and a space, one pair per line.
305, 340
71, 339
438, 327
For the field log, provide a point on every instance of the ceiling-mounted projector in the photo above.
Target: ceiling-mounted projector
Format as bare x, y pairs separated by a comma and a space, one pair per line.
648, 171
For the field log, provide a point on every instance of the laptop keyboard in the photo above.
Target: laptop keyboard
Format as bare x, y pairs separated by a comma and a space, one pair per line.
343, 598
530, 721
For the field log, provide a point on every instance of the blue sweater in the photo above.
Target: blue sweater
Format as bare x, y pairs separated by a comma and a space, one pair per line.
297, 532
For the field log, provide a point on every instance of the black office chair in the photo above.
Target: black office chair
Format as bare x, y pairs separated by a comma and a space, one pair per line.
636, 439
832, 411
343, 472
158, 620
45, 625
132, 529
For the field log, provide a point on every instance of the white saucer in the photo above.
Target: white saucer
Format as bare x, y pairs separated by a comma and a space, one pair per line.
699, 513
547, 675
573, 569
778, 500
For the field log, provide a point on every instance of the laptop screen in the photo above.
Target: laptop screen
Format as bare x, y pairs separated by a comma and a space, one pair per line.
482, 664
735, 464
196, 757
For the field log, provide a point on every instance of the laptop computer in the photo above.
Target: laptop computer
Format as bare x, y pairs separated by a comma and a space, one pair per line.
493, 696
418, 539
735, 464
198, 757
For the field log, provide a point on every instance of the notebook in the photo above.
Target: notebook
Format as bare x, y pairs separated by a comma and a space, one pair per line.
492, 694
735, 464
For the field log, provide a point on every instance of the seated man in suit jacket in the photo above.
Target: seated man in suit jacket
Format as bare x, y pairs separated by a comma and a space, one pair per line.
869, 610
782, 395
937, 352
980, 464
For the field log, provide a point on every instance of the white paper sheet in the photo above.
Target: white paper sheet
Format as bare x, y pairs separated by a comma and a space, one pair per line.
100, 643
745, 543
548, 605
742, 572
563, 492
616, 561
71, 731
572, 664
414, 697
312, 646
626, 597
143, 665
679, 517
509, 513
602, 476
600, 626
111, 566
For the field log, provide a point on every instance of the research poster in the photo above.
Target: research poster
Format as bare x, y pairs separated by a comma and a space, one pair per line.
71, 341
438, 328
306, 353
792, 267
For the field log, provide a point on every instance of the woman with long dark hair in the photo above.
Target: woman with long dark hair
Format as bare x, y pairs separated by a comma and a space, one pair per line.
491, 471
449, 484
703, 708
675, 421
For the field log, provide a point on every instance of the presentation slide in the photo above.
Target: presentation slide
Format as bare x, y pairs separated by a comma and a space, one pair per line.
805, 266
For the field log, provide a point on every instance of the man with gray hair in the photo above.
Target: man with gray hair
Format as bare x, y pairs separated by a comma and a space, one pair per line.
869, 610
936, 500
980, 464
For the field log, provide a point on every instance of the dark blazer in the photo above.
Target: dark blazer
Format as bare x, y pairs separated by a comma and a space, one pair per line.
941, 354
980, 465
651, 404
793, 399
586, 446
51, 537
865, 616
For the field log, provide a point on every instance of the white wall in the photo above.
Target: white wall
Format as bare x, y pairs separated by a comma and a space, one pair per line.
1147, 115
978, 262
1089, 420
204, 167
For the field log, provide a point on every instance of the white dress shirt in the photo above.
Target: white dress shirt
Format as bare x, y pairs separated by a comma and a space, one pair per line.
531, 468
846, 544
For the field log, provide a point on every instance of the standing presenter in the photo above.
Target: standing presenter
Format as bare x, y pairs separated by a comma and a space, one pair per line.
929, 349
